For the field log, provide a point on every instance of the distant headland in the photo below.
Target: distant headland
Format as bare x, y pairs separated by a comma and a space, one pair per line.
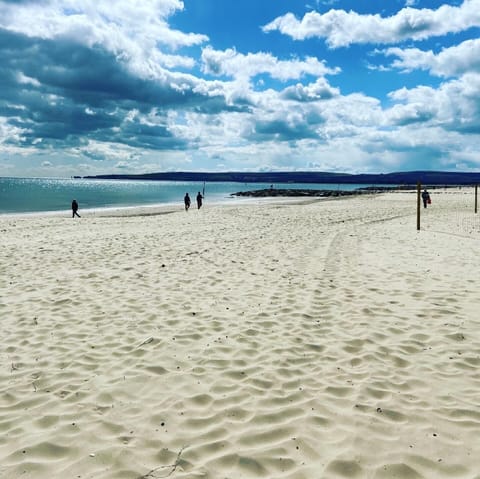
396, 178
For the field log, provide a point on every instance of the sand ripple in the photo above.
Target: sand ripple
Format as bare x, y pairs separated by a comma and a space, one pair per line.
324, 340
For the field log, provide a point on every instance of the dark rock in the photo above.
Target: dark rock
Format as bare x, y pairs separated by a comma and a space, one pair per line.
274, 192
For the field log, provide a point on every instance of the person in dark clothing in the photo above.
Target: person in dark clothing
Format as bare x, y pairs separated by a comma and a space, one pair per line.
75, 209
425, 198
186, 200
199, 200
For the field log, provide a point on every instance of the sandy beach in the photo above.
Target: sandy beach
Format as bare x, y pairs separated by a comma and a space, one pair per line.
323, 339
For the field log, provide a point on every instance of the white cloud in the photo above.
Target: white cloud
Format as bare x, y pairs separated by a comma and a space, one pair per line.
122, 165
341, 28
320, 90
453, 106
26, 80
231, 63
100, 21
450, 62
135, 31
105, 151
10, 133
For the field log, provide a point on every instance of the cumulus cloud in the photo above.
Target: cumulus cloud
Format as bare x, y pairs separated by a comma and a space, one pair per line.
10, 134
341, 28
59, 91
105, 150
135, 31
298, 114
231, 63
320, 90
449, 62
453, 106
412, 113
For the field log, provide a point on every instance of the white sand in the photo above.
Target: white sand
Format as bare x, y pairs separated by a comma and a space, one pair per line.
323, 340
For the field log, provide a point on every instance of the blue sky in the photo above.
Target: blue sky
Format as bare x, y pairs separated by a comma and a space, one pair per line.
133, 86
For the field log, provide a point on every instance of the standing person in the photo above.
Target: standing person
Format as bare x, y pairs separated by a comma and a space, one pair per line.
426, 198
186, 200
199, 200
75, 209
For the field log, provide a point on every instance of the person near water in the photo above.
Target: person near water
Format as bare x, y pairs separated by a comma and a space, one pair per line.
186, 200
75, 209
426, 198
199, 200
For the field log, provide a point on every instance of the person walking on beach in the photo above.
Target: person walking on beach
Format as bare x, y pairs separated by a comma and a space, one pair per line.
426, 198
75, 209
186, 200
199, 200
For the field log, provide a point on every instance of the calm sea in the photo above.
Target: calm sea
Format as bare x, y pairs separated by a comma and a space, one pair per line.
25, 195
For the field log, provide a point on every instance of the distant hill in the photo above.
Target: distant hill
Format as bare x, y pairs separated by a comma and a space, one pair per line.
399, 178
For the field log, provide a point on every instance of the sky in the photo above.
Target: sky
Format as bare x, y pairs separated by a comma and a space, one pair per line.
138, 86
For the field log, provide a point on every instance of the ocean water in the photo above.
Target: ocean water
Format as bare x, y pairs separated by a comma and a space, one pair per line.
30, 195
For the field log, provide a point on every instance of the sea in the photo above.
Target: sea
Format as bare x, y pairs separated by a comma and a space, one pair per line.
49, 195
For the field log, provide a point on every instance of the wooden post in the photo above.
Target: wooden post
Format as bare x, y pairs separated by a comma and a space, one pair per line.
419, 188
476, 198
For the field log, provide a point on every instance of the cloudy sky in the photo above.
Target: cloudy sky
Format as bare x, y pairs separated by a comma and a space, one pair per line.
133, 86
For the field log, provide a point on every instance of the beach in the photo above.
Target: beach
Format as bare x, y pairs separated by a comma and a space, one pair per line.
299, 339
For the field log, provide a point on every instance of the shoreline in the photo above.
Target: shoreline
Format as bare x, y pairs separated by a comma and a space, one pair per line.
154, 209
22, 194
146, 196
240, 199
